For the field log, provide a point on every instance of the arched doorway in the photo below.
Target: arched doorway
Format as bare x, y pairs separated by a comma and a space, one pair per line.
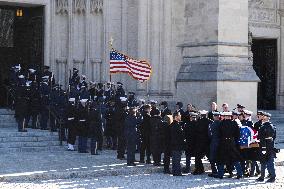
265, 65
21, 40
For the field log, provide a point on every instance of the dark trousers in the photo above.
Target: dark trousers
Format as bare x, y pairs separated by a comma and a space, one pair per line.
188, 162
237, 165
167, 160
43, 119
214, 168
131, 148
71, 134
176, 167
269, 164
254, 167
157, 157
82, 144
145, 146
21, 123
94, 146
198, 164
121, 146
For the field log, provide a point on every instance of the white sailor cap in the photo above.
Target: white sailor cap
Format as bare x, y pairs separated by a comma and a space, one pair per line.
142, 100
226, 113
83, 100
18, 67
45, 77
32, 70
203, 112
72, 99
21, 76
153, 102
247, 112
123, 99
28, 83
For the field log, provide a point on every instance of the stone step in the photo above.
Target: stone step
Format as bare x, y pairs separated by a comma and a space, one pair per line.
28, 139
33, 149
6, 145
27, 134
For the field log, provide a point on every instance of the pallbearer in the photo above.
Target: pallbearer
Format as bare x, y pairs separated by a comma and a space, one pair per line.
83, 128
21, 103
71, 120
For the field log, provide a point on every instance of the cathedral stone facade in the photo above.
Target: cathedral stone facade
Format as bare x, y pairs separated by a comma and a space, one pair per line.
200, 50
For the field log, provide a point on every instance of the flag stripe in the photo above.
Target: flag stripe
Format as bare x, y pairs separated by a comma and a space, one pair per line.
120, 63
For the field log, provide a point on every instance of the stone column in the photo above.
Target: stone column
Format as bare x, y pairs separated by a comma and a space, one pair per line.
215, 53
281, 66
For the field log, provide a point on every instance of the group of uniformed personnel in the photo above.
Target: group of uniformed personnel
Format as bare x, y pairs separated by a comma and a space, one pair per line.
97, 111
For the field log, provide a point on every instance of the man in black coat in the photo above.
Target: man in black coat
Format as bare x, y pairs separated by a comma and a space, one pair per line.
214, 136
83, 129
201, 133
71, 122
267, 136
190, 139
145, 130
164, 109
228, 152
95, 127
110, 132
34, 103
177, 143
21, 104
157, 137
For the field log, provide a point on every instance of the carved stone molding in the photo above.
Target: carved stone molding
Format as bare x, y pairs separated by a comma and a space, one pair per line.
96, 61
76, 61
61, 60
61, 6
96, 6
263, 15
79, 6
256, 3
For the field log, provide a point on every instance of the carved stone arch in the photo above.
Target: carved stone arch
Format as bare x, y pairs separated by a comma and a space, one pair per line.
79, 6
256, 3
62, 6
96, 6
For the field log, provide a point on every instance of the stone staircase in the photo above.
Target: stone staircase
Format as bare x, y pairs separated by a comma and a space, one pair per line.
34, 140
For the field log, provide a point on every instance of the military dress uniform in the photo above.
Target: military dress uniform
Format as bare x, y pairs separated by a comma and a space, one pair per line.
267, 136
44, 93
71, 120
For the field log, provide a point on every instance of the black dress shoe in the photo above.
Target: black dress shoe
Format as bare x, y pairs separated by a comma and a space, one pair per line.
148, 162
260, 179
131, 164
141, 161
239, 177
231, 175
186, 170
271, 180
167, 171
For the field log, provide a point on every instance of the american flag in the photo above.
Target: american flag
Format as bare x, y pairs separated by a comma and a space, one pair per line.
247, 137
137, 69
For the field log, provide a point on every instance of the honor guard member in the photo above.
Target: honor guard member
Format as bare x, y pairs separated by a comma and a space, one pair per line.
228, 153
21, 103
141, 105
191, 140
110, 132
75, 79
73, 92
95, 127
131, 101
248, 121
267, 136
71, 116
164, 109
214, 136
83, 129
92, 90
100, 92
14, 74
35, 103
109, 92
177, 143
84, 93
46, 72
44, 93
32, 75
240, 108
83, 82
54, 100
28, 95
258, 124
201, 133
119, 119
131, 123
120, 91
157, 137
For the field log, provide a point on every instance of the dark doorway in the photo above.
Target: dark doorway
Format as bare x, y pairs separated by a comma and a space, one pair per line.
21, 41
265, 65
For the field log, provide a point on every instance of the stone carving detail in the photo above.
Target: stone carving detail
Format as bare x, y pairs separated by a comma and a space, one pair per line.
62, 6
262, 15
256, 3
76, 61
96, 6
61, 60
79, 6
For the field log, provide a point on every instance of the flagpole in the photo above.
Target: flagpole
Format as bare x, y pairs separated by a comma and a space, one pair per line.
111, 47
